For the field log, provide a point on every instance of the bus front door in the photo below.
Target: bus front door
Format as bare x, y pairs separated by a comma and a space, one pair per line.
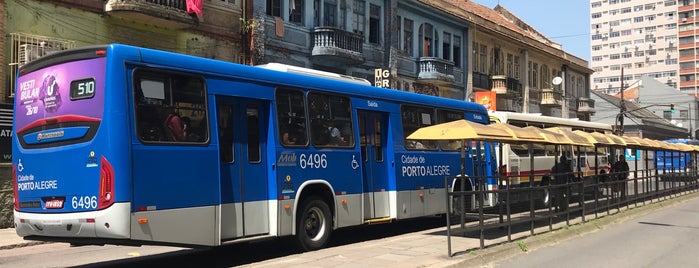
372, 137
242, 135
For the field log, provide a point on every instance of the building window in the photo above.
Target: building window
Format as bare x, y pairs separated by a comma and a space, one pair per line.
686, 52
329, 13
274, 8
545, 81
484, 58
358, 16
457, 51
535, 75
408, 36
25, 48
374, 24
516, 64
296, 12
510, 65
446, 46
686, 65
427, 37
497, 65
687, 77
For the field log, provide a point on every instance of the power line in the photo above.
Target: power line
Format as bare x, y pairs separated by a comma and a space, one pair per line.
572, 35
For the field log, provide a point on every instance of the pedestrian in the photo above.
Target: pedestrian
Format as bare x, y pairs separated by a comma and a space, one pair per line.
561, 173
620, 171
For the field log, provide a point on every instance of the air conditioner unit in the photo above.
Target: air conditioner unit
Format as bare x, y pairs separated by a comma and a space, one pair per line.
684, 19
30, 52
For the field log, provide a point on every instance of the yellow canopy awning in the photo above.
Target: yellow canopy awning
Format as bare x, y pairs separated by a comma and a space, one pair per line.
461, 130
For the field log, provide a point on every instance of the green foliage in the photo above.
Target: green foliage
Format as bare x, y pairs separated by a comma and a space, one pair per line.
522, 246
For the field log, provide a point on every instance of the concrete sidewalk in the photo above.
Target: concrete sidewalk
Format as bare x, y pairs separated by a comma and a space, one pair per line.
9, 240
429, 248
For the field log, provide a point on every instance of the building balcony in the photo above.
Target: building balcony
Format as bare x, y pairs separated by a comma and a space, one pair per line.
435, 70
481, 81
171, 14
334, 47
586, 105
503, 85
551, 97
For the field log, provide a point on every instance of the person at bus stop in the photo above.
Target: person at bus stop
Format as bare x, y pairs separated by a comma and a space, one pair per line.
176, 130
621, 170
561, 172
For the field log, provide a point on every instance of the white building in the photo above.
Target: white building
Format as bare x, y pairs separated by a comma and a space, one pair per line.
640, 37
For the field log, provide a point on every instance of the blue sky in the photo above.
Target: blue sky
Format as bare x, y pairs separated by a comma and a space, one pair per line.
566, 22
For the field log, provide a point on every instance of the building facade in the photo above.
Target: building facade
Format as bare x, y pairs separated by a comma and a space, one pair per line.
642, 38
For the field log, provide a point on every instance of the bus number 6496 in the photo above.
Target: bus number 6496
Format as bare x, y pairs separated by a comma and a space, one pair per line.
84, 202
313, 161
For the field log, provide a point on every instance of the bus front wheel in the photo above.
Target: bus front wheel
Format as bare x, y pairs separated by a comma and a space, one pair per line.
314, 224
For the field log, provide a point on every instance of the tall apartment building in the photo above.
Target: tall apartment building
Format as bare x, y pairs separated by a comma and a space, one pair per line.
641, 37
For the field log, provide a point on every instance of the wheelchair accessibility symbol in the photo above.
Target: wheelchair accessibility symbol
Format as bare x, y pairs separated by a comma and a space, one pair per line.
355, 164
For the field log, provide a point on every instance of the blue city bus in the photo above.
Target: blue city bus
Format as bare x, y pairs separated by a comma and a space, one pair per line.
674, 160
118, 144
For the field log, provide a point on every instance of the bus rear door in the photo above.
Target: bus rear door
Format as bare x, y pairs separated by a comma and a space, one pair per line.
372, 136
242, 130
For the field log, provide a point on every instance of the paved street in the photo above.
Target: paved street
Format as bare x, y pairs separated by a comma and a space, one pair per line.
666, 229
664, 238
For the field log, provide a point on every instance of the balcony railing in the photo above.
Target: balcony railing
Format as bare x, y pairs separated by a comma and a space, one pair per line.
551, 97
432, 68
170, 14
336, 47
586, 105
481, 80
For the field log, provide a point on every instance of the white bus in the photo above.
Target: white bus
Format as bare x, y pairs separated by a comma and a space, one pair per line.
517, 161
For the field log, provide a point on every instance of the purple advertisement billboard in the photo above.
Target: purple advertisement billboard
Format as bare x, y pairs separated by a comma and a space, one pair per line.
67, 89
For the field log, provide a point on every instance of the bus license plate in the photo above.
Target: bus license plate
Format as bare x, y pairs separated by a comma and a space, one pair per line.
54, 203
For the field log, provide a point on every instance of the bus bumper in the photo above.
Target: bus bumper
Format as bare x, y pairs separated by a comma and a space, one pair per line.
112, 222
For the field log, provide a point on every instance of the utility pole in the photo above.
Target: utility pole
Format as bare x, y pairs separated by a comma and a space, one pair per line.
622, 108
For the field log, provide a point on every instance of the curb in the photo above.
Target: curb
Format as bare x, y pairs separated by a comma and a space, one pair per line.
24, 244
485, 257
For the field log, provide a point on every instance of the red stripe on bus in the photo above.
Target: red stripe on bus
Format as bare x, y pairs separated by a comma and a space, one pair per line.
59, 119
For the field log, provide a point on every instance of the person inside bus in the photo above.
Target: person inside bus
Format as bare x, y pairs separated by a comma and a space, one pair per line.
333, 133
287, 137
175, 129
329, 135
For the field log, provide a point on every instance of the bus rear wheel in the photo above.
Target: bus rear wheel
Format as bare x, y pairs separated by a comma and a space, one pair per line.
314, 224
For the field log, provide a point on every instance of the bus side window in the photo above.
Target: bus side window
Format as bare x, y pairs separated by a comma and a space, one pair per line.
159, 94
331, 120
412, 119
444, 116
291, 117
